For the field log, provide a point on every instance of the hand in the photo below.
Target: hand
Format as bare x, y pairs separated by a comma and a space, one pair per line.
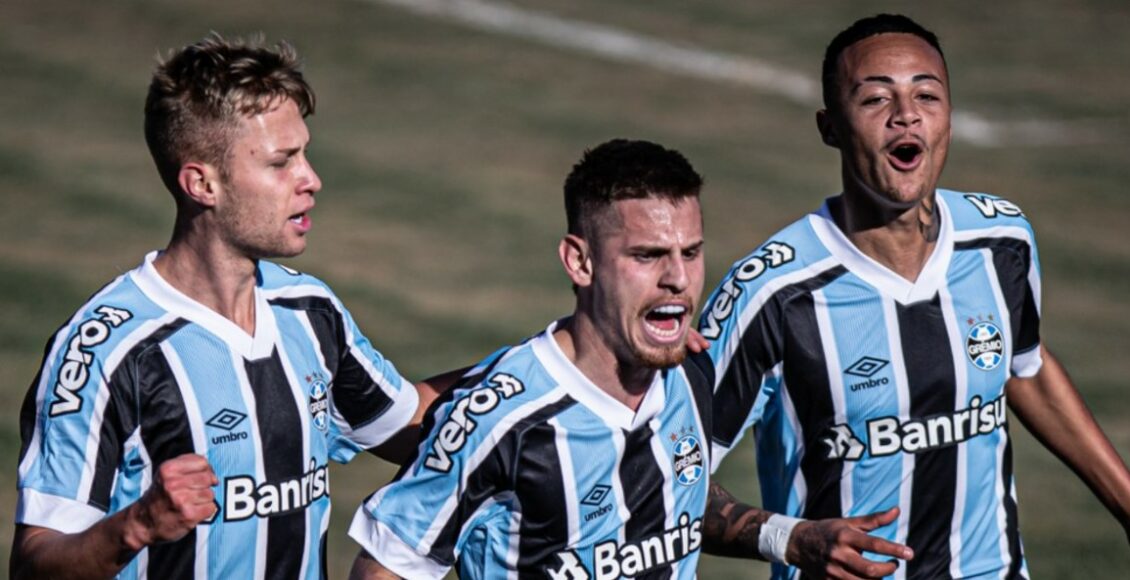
696, 342
833, 548
180, 497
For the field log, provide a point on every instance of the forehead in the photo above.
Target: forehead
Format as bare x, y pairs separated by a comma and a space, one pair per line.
654, 221
891, 55
278, 127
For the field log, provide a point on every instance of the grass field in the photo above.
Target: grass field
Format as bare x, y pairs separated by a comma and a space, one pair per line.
442, 148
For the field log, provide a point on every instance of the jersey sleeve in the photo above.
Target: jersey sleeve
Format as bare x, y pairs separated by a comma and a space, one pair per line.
417, 525
369, 400
1024, 305
72, 423
741, 319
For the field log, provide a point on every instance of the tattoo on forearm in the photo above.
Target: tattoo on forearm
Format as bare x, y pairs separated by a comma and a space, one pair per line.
731, 528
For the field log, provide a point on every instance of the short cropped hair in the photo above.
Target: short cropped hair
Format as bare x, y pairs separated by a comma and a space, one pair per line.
624, 169
866, 28
199, 92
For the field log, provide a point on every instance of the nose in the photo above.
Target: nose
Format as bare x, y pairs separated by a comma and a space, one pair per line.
309, 182
675, 276
905, 113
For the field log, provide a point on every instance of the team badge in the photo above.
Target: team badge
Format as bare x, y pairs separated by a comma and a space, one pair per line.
688, 460
985, 346
319, 402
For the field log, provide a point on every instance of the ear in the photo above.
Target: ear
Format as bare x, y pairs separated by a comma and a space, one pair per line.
827, 128
576, 257
200, 182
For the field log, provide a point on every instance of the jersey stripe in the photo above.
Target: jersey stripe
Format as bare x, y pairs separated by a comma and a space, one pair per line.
538, 474
929, 365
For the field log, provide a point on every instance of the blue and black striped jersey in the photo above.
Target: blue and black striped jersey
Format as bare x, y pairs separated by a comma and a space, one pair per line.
532, 471
142, 374
867, 391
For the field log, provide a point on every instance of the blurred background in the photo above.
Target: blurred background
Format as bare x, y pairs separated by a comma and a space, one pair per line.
445, 128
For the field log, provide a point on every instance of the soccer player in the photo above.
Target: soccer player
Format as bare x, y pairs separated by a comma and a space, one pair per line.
581, 452
183, 418
875, 344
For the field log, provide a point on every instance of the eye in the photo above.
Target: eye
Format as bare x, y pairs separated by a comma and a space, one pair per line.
691, 253
873, 100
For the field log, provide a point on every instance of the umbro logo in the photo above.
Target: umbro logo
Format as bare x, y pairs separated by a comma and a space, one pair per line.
866, 368
226, 419
594, 498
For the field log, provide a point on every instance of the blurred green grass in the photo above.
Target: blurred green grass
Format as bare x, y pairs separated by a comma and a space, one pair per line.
442, 150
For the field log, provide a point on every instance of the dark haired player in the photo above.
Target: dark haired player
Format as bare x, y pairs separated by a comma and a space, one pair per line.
183, 418
875, 344
581, 453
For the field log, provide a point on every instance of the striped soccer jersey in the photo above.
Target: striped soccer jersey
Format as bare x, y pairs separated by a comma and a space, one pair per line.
866, 391
531, 471
142, 374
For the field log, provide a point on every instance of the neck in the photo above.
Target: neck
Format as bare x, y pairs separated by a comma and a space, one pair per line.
901, 238
587, 349
207, 271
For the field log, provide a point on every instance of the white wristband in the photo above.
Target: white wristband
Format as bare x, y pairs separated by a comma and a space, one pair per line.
773, 540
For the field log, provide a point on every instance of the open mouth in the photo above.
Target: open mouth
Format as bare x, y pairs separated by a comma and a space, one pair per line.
666, 321
302, 220
906, 155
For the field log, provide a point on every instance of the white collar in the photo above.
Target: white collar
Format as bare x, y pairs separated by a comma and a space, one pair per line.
931, 279
166, 296
614, 413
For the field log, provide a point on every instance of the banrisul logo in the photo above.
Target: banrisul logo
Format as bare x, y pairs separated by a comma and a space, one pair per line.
985, 346
319, 401
688, 460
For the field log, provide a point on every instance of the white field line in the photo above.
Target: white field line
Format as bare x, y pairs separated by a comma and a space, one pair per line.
615, 44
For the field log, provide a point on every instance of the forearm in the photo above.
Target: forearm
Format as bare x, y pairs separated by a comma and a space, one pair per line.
366, 568
101, 551
1052, 409
729, 527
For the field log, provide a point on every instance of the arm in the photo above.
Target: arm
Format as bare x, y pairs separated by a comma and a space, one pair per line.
180, 498
822, 548
399, 448
366, 568
1049, 405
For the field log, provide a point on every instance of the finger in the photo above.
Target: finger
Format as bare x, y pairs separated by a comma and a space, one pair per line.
184, 464
696, 342
839, 572
856, 564
884, 547
876, 520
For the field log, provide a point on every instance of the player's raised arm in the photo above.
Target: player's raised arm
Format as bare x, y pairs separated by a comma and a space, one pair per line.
831, 548
180, 498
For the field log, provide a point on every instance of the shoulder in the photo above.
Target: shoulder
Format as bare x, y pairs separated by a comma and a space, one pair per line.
973, 212
287, 286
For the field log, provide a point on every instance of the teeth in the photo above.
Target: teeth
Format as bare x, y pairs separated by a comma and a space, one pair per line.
670, 309
665, 333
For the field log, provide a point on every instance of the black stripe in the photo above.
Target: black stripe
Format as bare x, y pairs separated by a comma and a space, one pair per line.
165, 433
280, 433
1012, 260
928, 358
700, 373
806, 378
643, 485
495, 475
1012, 523
762, 346
358, 398
29, 411
540, 487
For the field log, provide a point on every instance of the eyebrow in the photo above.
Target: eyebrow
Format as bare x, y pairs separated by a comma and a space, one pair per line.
920, 77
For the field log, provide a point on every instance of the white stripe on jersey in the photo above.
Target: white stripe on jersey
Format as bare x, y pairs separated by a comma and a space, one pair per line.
754, 306
57, 342
480, 454
836, 390
199, 445
800, 485
515, 543
961, 397
902, 389
572, 506
102, 398
618, 486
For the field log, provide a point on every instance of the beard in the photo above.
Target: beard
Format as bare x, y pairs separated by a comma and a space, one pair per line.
660, 357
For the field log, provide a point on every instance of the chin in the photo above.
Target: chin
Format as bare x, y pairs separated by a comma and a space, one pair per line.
662, 357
